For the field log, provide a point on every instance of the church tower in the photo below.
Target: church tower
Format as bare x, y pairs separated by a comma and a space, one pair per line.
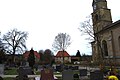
101, 15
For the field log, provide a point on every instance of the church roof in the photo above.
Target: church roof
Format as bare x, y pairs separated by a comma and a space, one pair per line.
110, 26
36, 54
62, 53
113, 24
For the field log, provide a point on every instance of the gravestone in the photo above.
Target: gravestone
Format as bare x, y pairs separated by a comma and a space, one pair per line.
24, 71
36, 67
47, 74
26, 64
75, 68
39, 68
83, 72
65, 67
70, 67
76, 77
2, 69
23, 63
20, 73
96, 75
67, 75
59, 68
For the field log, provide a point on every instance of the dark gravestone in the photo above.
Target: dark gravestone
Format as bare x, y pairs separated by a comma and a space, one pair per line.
70, 67
66, 67
27, 71
75, 68
76, 77
83, 72
47, 74
36, 67
23, 72
59, 68
96, 75
67, 75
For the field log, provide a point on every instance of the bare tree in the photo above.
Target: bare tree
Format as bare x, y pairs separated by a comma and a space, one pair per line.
86, 28
2, 52
61, 42
1, 45
14, 41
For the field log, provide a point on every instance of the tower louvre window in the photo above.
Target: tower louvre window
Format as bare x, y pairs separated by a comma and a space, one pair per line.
96, 17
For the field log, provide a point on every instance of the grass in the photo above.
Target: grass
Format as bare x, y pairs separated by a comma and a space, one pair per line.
11, 71
8, 78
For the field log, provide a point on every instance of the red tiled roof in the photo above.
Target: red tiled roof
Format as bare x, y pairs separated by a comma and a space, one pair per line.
26, 54
62, 53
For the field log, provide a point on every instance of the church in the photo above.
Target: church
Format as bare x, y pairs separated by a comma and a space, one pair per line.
106, 46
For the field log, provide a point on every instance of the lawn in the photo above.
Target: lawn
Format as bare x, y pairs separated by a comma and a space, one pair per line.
11, 71
8, 78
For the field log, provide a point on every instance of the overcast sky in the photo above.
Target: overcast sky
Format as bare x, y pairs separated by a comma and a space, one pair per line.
44, 19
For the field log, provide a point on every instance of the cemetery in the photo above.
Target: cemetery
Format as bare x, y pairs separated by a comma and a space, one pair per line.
68, 72
44, 65
49, 69
59, 67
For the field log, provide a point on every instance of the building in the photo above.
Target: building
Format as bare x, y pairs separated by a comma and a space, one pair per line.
106, 46
62, 56
36, 54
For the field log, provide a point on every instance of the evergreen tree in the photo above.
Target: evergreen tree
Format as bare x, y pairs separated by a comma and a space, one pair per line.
78, 54
31, 58
2, 57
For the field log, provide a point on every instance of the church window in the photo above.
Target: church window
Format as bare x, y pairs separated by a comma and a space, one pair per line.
119, 42
104, 48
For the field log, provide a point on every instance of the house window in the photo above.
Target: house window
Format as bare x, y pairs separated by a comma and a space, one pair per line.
104, 47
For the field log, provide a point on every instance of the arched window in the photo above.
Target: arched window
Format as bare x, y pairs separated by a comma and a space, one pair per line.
104, 47
119, 42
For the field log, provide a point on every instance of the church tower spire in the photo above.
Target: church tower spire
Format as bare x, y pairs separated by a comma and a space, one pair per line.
101, 15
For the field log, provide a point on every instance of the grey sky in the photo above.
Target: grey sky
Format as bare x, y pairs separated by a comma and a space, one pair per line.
44, 19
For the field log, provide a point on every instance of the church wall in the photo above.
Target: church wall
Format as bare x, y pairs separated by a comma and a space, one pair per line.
106, 35
116, 34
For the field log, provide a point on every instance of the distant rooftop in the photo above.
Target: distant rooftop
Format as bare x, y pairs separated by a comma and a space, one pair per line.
62, 53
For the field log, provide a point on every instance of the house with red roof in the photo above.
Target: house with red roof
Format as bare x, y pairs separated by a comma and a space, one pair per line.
62, 57
36, 54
